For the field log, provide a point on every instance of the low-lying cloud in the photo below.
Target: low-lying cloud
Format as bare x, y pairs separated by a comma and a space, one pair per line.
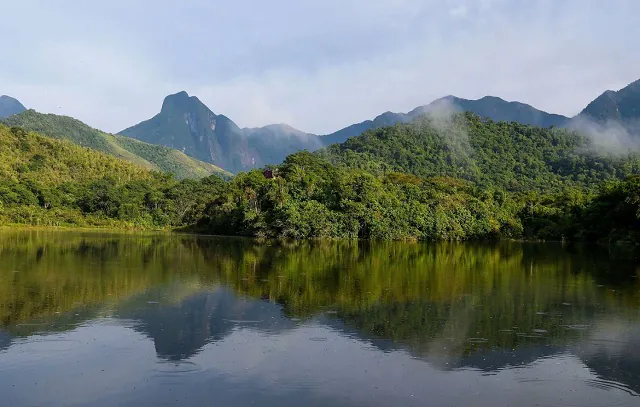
609, 137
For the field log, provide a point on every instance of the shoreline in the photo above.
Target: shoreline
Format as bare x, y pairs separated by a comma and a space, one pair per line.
182, 231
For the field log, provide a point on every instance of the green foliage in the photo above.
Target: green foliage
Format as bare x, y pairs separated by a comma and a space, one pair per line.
50, 182
310, 198
511, 156
170, 160
406, 182
150, 156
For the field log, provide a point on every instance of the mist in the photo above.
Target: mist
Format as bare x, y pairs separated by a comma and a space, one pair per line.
610, 137
445, 117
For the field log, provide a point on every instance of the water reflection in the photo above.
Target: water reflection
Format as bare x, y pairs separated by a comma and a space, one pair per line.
180, 330
272, 316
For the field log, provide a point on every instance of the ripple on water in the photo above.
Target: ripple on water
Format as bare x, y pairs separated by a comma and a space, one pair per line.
611, 385
173, 369
592, 403
596, 383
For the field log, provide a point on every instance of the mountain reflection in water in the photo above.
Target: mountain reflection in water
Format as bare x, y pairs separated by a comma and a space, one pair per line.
336, 323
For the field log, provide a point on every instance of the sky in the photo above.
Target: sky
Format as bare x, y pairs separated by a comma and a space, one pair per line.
318, 65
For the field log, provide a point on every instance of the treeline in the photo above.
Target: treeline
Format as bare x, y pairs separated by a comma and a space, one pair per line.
344, 192
310, 197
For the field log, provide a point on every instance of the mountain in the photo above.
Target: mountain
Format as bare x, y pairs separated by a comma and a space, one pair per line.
622, 106
495, 108
185, 123
10, 106
511, 155
149, 156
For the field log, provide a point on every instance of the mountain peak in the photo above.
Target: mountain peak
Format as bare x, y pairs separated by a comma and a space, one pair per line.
188, 125
622, 105
181, 101
489, 98
10, 106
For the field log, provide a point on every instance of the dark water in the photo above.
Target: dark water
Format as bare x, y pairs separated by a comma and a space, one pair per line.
126, 320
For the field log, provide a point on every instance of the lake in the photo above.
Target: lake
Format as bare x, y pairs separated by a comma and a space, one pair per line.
100, 319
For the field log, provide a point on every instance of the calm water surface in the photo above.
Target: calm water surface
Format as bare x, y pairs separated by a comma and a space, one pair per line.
93, 319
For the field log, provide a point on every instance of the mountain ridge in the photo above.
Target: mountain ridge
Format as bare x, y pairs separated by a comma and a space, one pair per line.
622, 105
493, 107
186, 124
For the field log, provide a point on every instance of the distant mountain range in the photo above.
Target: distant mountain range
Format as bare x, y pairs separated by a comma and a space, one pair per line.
188, 125
489, 106
10, 106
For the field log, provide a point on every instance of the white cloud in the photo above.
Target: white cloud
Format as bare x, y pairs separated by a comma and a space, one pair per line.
317, 65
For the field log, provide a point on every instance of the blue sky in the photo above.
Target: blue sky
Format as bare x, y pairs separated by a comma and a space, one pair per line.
316, 65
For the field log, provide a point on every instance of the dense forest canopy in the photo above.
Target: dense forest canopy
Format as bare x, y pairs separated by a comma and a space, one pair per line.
512, 156
51, 182
441, 178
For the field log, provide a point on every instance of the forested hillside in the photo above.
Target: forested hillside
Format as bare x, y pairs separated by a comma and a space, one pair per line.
443, 177
547, 185
511, 156
150, 156
50, 182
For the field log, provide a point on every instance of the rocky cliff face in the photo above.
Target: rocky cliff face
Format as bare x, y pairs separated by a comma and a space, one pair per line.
186, 124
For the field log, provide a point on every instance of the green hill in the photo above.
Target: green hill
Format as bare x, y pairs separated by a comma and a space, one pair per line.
464, 189
448, 177
512, 156
29, 157
49, 182
149, 156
